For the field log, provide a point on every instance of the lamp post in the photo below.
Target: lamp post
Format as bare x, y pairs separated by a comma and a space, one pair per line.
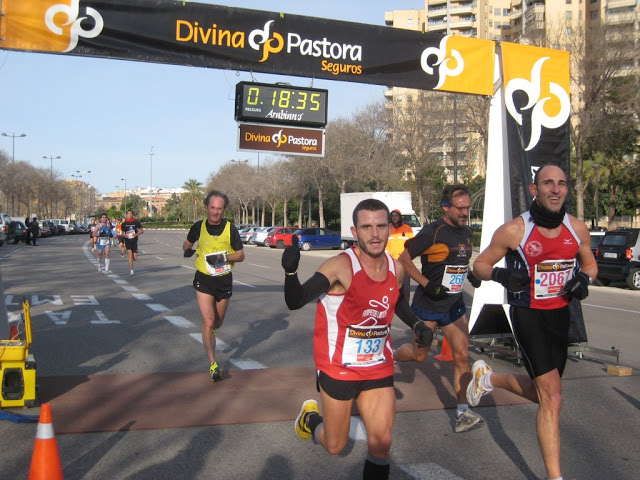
51, 159
151, 181
76, 177
597, 166
13, 160
88, 203
125, 194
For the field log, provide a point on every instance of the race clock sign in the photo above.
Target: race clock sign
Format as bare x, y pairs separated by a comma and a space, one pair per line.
282, 104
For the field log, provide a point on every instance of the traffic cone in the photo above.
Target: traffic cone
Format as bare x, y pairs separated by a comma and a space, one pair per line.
445, 355
45, 463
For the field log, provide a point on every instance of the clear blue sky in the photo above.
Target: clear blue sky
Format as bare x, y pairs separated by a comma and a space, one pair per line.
105, 115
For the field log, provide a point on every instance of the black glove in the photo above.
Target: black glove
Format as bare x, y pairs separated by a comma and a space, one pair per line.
218, 258
473, 280
189, 252
291, 256
435, 291
424, 335
578, 286
512, 280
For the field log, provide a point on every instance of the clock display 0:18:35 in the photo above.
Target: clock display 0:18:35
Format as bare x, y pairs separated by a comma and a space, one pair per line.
281, 104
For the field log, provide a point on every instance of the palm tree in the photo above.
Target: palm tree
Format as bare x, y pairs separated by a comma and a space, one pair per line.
193, 194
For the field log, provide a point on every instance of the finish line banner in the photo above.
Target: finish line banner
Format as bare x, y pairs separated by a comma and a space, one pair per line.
212, 36
538, 107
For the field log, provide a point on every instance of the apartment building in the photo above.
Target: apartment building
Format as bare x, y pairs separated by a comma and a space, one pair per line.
559, 24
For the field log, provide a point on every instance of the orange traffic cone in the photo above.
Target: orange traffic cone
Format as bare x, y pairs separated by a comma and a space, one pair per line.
45, 463
445, 355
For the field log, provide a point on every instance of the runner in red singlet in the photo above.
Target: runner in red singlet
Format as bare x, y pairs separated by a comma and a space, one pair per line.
549, 260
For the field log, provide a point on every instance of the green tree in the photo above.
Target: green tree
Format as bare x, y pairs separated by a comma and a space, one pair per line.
193, 196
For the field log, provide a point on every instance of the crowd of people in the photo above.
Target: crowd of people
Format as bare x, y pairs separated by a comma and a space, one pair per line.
106, 233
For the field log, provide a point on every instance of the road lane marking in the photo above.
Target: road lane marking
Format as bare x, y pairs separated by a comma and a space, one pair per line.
611, 308
156, 307
142, 296
242, 364
179, 322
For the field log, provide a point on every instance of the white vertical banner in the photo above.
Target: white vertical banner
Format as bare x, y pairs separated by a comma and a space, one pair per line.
490, 300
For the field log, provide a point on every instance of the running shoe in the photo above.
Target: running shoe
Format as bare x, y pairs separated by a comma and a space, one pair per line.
476, 388
302, 429
216, 372
107, 272
468, 421
131, 273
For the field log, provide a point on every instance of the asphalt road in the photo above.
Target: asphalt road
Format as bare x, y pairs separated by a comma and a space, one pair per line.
86, 323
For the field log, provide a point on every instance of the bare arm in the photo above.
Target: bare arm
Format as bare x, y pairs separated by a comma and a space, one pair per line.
504, 238
407, 263
236, 256
587, 261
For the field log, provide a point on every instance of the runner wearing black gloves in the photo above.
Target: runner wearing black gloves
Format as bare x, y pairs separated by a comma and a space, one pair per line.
445, 249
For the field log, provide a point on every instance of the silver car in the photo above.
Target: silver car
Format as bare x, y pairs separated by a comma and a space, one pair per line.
259, 236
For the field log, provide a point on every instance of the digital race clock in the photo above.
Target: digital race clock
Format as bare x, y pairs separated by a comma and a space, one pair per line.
262, 102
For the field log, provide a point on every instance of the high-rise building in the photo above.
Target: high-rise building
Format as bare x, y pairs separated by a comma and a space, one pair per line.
558, 24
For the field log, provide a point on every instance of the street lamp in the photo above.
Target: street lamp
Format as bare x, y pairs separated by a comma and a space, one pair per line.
76, 177
87, 184
125, 194
51, 158
13, 160
597, 166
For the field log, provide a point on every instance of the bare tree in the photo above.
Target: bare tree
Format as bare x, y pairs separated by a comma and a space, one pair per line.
420, 129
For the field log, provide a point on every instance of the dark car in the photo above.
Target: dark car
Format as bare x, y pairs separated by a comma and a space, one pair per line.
618, 257
309, 238
16, 232
280, 237
596, 240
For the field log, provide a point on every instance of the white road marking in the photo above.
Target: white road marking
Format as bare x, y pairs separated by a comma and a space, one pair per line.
246, 364
259, 266
611, 308
428, 471
142, 296
156, 307
245, 284
130, 288
180, 322
187, 266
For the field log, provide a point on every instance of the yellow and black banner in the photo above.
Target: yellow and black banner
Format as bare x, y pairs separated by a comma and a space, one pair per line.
212, 36
538, 105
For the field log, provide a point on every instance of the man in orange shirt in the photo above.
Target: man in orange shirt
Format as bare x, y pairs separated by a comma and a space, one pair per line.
398, 234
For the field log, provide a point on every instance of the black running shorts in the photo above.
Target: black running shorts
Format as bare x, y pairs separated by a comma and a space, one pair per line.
349, 389
218, 287
131, 244
543, 338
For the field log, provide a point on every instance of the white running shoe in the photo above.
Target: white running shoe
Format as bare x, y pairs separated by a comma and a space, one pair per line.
131, 273
107, 272
476, 388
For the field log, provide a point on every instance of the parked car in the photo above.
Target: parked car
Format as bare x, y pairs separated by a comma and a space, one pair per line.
618, 257
16, 232
44, 230
596, 239
259, 236
280, 237
309, 238
51, 226
5, 220
245, 234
